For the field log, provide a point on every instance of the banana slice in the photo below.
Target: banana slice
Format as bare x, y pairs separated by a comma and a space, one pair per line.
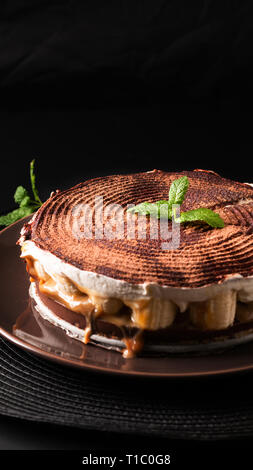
40, 271
153, 313
64, 285
76, 302
103, 305
111, 306
214, 314
244, 312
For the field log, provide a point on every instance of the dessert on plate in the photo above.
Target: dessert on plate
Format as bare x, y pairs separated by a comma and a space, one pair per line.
117, 288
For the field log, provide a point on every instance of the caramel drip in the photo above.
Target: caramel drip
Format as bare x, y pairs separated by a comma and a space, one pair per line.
88, 328
30, 268
133, 345
144, 314
83, 353
87, 334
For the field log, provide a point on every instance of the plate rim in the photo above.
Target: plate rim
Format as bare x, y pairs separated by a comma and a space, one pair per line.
84, 366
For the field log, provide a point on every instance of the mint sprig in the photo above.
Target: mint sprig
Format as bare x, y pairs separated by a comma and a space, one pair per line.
177, 193
27, 205
203, 215
178, 190
33, 184
154, 209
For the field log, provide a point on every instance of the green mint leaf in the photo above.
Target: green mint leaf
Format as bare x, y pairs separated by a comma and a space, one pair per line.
178, 189
21, 197
15, 215
164, 209
33, 183
203, 215
20, 194
145, 208
26, 201
159, 209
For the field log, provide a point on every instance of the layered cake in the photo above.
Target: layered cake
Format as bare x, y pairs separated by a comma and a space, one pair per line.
122, 289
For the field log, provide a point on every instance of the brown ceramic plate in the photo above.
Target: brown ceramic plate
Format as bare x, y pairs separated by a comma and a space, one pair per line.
40, 337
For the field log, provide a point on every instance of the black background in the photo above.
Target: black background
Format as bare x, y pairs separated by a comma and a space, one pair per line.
94, 88
97, 87
73, 145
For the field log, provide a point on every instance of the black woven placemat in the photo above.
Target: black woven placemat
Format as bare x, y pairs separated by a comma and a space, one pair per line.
35, 389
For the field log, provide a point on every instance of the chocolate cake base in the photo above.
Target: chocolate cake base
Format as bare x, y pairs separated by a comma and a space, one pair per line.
178, 338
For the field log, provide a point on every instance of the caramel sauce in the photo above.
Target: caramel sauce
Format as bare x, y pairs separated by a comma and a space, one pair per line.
89, 328
79, 303
133, 345
87, 334
83, 301
86, 302
30, 267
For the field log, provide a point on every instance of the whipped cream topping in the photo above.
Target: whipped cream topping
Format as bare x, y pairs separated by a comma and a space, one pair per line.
110, 287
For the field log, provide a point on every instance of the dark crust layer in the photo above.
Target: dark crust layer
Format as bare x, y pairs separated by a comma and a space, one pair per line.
205, 255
